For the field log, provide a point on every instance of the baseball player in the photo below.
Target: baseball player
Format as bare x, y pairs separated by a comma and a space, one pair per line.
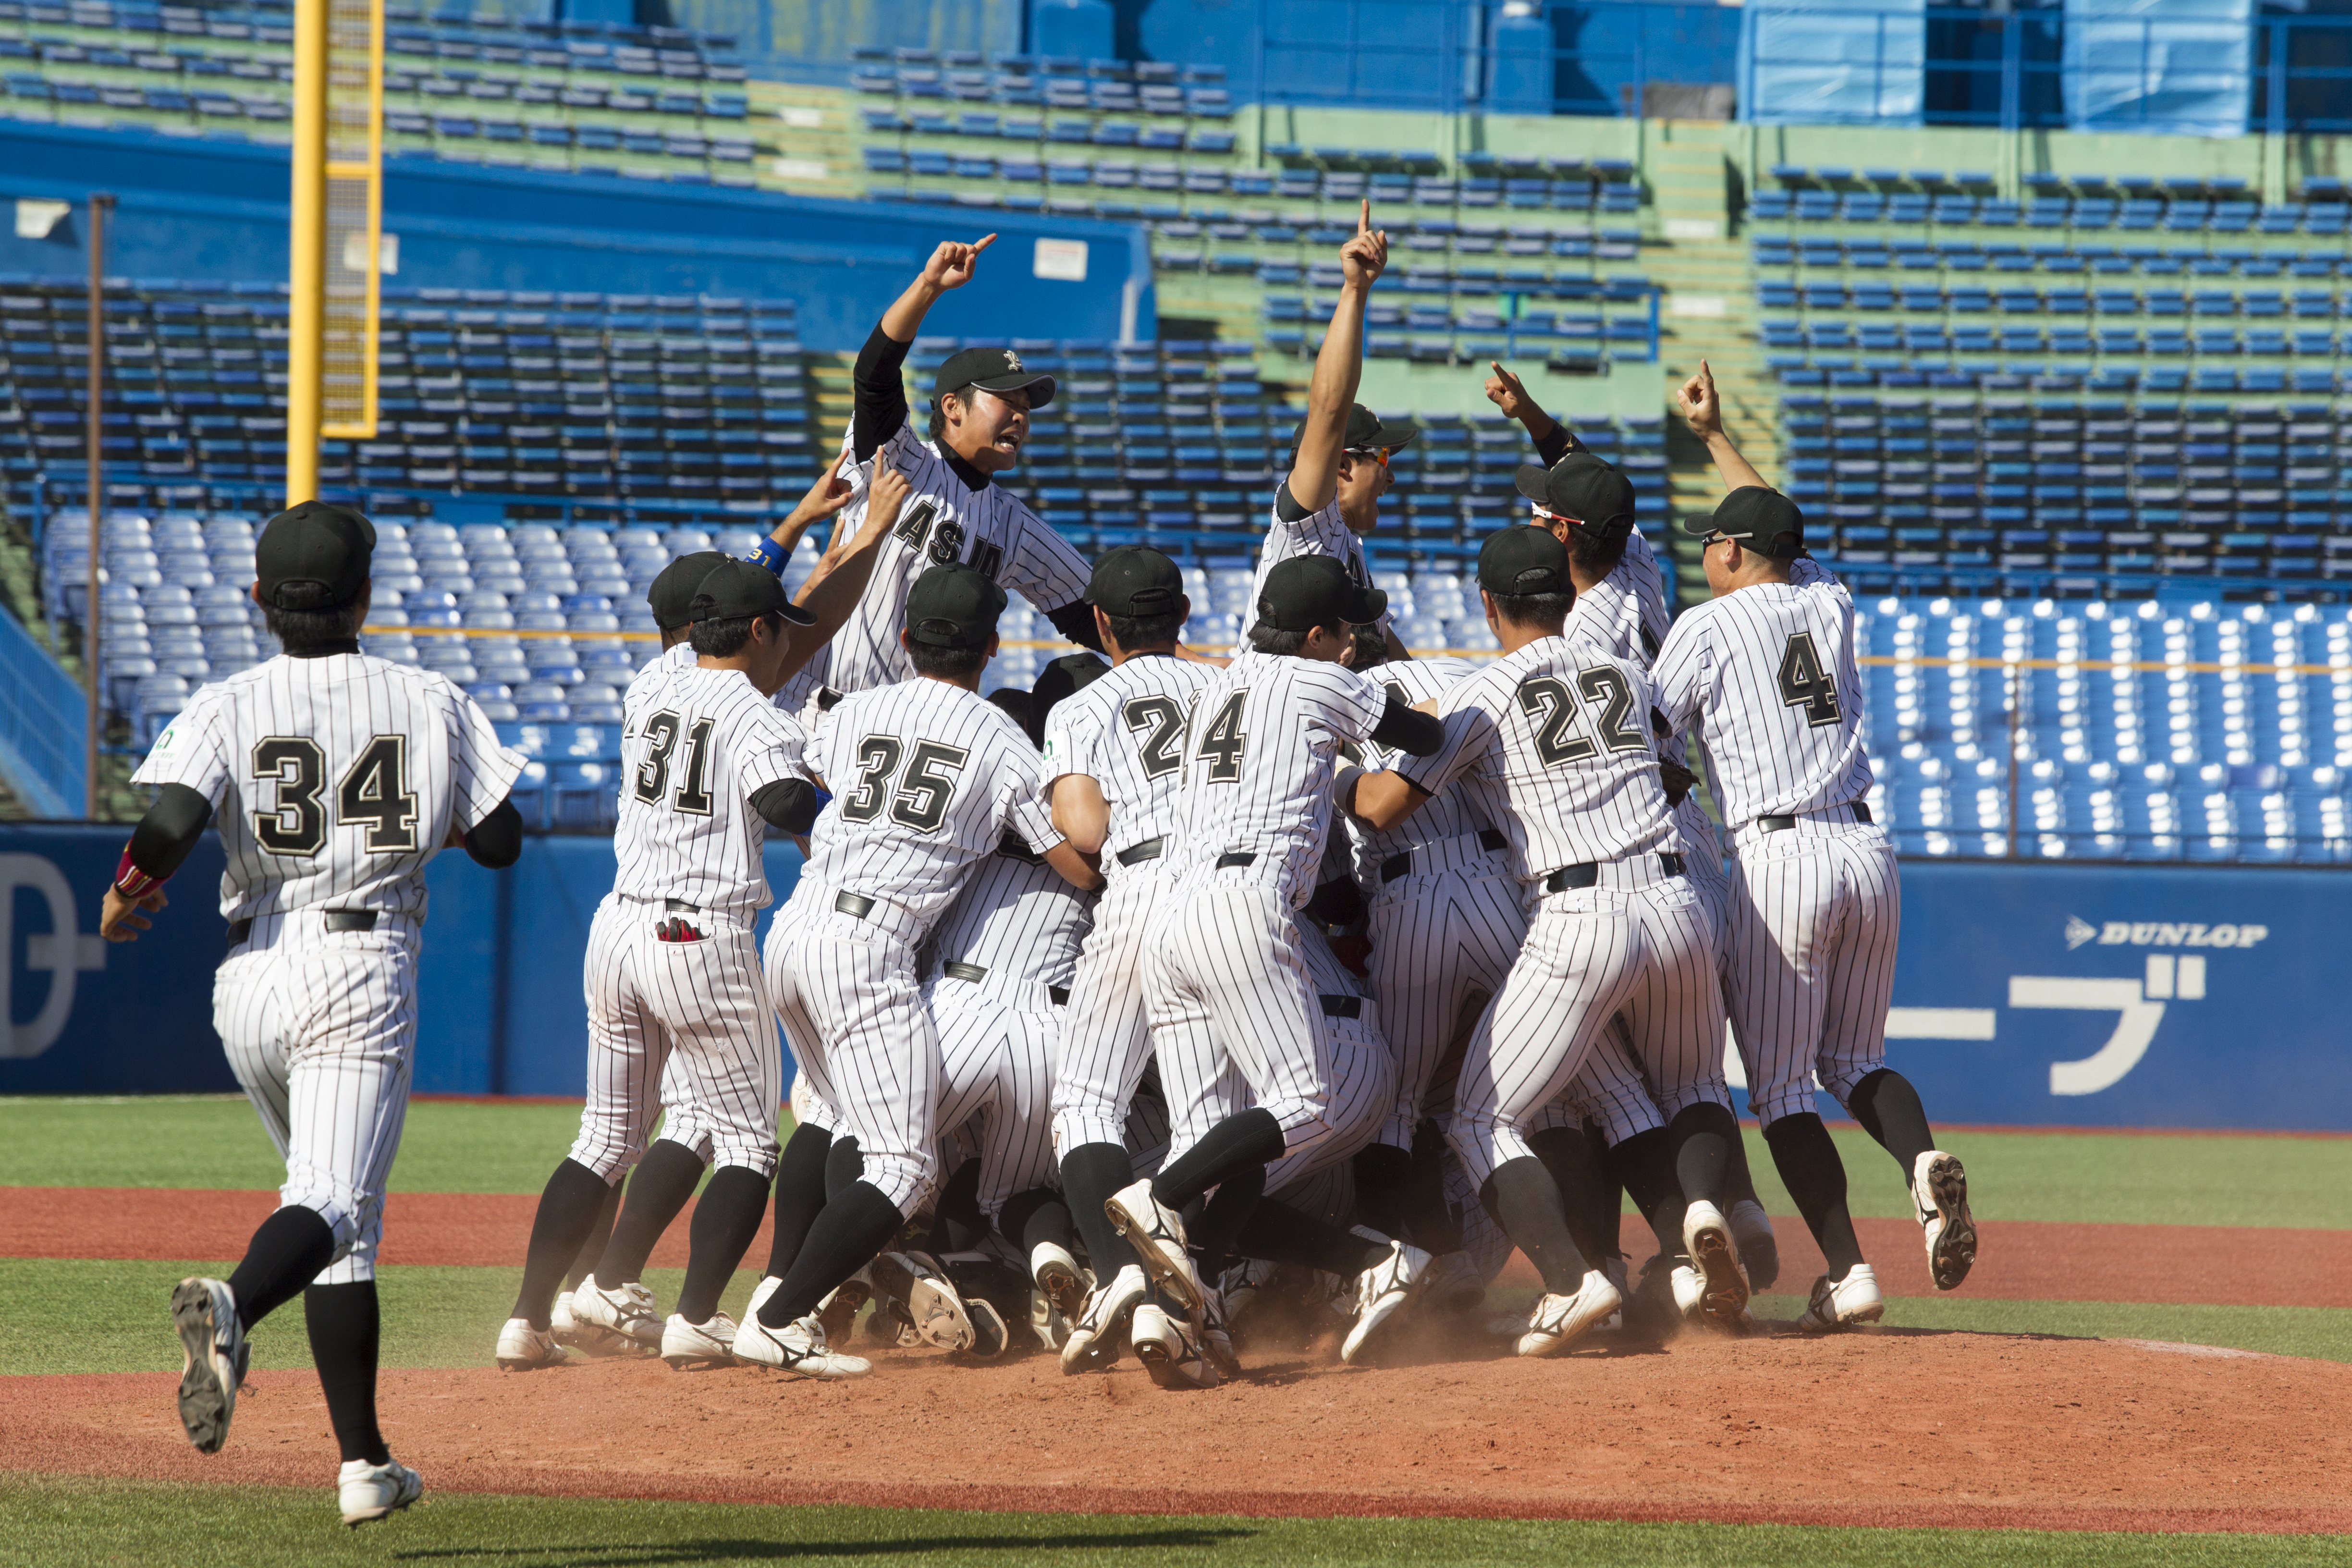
1765, 673
334, 778
1339, 454
1114, 760
1554, 740
1256, 817
926, 779
979, 417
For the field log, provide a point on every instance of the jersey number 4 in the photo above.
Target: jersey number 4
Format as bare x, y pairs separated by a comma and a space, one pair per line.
653, 773
1222, 743
918, 798
374, 794
1805, 684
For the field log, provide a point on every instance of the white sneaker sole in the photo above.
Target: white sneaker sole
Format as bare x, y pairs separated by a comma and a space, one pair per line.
1170, 1270
207, 1399
1954, 1251
1723, 1292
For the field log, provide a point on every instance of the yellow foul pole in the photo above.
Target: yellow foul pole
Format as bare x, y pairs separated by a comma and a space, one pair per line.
307, 274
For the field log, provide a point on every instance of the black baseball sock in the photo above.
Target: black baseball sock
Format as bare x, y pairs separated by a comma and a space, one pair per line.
1739, 1185
1588, 1194
1642, 1166
665, 1180
1211, 1225
1888, 1108
1383, 1187
1280, 1234
1091, 1173
599, 1237
1247, 1138
344, 1327
288, 1251
1033, 1218
1810, 1168
844, 1167
1526, 1201
850, 1233
799, 1195
726, 1218
959, 1226
567, 1211
1430, 1221
1702, 1137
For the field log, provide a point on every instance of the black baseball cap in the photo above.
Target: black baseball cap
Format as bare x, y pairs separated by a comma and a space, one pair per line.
1309, 591
954, 607
1583, 490
1365, 432
1519, 560
734, 590
313, 556
671, 593
994, 370
1135, 580
1761, 519
1072, 672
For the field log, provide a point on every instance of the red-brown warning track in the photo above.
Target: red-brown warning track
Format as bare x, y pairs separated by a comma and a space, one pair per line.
1884, 1428
2022, 1259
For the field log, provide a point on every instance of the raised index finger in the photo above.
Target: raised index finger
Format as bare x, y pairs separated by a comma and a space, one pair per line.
982, 244
1364, 219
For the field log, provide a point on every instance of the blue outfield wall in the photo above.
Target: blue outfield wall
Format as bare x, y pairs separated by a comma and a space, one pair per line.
2026, 995
199, 209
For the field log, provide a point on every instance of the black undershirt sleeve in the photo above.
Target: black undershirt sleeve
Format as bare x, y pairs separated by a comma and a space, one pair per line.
1555, 446
160, 844
1076, 621
1404, 728
495, 841
879, 403
788, 806
1285, 505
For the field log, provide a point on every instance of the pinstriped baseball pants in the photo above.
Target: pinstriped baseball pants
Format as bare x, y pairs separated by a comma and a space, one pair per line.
1590, 954
685, 1020
996, 1073
1815, 913
853, 1011
320, 1031
1105, 1035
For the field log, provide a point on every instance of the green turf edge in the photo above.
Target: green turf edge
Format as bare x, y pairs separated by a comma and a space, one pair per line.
478, 1147
58, 1522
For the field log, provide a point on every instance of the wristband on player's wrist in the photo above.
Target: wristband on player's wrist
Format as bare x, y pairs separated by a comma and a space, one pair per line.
771, 554
130, 881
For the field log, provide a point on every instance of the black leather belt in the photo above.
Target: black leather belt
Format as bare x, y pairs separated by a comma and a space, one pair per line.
1238, 858
1149, 849
856, 905
1342, 1007
1587, 873
1397, 866
827, 698
336, 920
1782, 824
1060, 993
957, 968
680, 906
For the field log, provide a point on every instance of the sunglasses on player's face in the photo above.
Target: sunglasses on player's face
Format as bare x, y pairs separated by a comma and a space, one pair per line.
1377, 454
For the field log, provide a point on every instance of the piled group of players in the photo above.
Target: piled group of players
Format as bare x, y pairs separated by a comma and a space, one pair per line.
1125, 1006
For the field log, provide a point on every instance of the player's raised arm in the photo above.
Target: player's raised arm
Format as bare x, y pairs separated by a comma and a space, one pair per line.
1701, 410
1553, 439
1339, 366
833, 590
880, 407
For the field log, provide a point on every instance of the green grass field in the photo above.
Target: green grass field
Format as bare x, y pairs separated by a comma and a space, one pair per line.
433, 1318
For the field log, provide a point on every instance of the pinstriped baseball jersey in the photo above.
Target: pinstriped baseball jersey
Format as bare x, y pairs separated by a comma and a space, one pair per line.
334, 779
1259, 758
1552, 744
1125, 732
1766, 677
1412, 681
1319, 532
943, 520
926, 779
668, 659
1017, 918
696, 745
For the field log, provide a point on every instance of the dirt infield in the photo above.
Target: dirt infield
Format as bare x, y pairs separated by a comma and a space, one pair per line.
1873, 1429
2022, 1259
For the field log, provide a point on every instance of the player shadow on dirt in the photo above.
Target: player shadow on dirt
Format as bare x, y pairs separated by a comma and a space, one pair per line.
726, 1549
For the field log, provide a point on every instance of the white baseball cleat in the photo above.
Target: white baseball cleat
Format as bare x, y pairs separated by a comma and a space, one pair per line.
1055, 1274
1941, 1188
838, 1311
1453, 1284
371, 1491
589, 1339
990, 1334
1243, 1286
1559, 1321
1760, 1249
1383, 1291
1216, 1338
1101, 1323
522, 1348
624, 1309
798, 1348
205, 1314
1157, 1234
684, 1344
1690, 1291
1707, 1240
1850, 1301
1168, 1350
930, 1298
1615, 1268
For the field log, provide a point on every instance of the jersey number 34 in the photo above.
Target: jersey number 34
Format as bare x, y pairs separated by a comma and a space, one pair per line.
374, 794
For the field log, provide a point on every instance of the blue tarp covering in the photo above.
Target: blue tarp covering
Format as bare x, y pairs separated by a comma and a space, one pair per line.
1834, 62
2160, 68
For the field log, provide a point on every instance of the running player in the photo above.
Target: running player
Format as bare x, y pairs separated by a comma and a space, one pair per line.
1765, 673
334, 778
